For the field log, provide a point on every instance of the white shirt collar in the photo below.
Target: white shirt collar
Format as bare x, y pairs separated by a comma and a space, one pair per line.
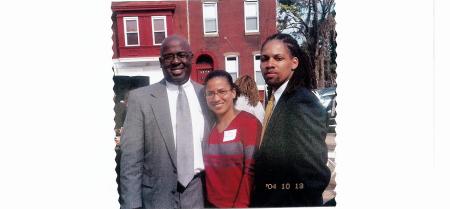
172, 86
277, 94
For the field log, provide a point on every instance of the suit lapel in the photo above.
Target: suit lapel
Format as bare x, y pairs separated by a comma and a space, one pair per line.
162, 114
279, 108
275, 120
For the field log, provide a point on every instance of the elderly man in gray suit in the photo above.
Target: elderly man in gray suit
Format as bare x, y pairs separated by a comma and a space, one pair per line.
162, 164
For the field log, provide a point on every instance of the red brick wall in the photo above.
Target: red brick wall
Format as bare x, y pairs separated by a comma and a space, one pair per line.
175, 12
231, 38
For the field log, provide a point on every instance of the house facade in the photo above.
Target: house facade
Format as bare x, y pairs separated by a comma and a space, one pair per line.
223, 34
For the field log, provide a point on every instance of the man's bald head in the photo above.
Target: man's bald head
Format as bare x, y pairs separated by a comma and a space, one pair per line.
176, 59
174, 38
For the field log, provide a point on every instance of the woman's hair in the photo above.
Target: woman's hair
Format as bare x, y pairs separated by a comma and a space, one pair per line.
228, 78
303, 75
247, 87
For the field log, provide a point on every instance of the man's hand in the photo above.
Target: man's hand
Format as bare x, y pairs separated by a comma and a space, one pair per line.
117, 140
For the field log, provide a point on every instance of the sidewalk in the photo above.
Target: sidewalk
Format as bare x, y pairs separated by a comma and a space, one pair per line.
329, 192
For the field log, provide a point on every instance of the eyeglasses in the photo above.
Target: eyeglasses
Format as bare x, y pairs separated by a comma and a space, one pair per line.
220, 93
171, 56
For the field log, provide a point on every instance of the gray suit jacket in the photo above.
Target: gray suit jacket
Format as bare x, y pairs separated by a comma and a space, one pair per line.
148, 174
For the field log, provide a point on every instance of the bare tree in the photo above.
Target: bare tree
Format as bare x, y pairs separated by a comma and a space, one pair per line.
312, 22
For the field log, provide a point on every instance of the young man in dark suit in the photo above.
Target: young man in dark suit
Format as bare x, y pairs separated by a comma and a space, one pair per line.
290, 167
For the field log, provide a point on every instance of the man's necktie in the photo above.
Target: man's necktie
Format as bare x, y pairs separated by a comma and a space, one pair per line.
267, 115
185, 144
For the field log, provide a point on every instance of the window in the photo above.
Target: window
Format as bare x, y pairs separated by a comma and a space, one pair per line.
159, 29
258, 74
251, 16
131, 31
210, 17
232, 66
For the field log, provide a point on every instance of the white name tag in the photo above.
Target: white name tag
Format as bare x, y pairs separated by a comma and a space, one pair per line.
229, 135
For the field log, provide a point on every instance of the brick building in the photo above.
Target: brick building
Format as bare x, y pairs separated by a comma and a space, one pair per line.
223, 34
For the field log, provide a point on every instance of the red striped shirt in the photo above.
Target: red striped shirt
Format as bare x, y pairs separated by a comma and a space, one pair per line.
229, 162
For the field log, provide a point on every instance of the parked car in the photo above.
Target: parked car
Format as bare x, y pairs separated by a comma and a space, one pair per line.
327, 97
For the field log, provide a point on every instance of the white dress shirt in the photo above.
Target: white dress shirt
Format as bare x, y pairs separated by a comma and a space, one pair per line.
197, 118
277, 94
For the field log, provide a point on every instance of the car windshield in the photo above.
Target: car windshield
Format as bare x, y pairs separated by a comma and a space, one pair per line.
327, 91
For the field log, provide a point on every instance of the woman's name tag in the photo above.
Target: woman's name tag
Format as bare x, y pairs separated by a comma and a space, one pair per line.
229, 135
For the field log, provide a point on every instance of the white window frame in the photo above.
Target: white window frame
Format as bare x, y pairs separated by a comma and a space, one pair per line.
125, 30
246, 3
257, 68
153, 28
204, 20
237, 64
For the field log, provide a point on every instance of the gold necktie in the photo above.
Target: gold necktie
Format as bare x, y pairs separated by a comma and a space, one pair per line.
267, 115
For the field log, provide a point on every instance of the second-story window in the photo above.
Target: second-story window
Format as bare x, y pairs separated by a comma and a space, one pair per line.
210, 18
251, 16
159, 29
131, 27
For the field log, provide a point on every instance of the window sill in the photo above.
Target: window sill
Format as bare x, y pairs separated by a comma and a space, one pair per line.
211, 35
251, 33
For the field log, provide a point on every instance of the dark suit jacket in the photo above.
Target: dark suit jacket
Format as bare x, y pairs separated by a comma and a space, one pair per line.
148, 174
290, 167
